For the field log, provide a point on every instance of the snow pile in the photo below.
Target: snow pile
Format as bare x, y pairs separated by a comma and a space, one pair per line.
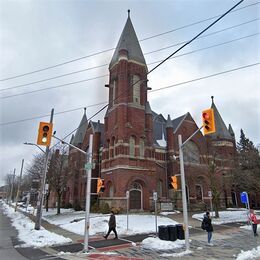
157, 244
254, 253
226, 217
99, 223
27, 233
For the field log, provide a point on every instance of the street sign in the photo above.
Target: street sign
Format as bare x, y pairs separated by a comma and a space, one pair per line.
155, 196
210, 193
127, 194
88, 166
244, 197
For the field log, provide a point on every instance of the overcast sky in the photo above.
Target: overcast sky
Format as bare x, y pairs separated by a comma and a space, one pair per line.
42, 33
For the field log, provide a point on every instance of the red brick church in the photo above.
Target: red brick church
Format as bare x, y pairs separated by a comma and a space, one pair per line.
134, 149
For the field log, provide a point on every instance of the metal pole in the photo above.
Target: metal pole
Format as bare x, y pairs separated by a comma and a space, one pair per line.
184, 198
127, 209
42, 190
19, 184
88, 193
12, 187
155, 209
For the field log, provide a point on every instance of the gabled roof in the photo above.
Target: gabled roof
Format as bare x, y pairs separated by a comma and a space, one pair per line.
81, 131
128, 41
221, 129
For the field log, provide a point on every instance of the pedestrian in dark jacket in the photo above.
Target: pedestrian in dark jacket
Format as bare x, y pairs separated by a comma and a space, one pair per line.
111, 225
208, 226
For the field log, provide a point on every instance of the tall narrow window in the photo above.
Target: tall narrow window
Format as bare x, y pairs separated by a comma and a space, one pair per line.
141, 147
136, 89
132, 146
114, 92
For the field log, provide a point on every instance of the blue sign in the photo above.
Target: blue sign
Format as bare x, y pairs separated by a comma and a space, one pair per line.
244, 197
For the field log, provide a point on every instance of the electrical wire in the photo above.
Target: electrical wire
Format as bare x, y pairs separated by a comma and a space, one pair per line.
177, 56
155, 90
110, 49
147, 53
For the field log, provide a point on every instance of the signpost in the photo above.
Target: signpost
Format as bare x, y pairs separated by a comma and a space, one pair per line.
127, 208
211, 206
155, 197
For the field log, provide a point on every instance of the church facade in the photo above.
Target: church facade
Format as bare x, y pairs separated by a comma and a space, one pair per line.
136, 149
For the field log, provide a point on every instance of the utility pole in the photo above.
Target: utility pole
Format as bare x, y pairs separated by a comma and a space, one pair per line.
88, 167
184, 198
88, 192
19, 184
12, 187
42, 191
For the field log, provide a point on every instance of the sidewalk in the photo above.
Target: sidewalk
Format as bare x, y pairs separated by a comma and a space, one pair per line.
228, 242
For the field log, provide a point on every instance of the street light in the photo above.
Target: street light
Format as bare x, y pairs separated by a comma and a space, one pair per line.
26, 143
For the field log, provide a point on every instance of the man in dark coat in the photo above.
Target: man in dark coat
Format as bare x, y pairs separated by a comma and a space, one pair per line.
208, 226
111, 225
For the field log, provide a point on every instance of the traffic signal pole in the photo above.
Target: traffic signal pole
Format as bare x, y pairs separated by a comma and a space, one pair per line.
183, 188
88, 166
42, 190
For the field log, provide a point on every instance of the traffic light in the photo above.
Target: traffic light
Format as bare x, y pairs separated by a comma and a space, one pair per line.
173, 183
100, 185
208, 121
44, 134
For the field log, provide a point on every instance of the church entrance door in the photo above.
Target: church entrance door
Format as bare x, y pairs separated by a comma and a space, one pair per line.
135, 200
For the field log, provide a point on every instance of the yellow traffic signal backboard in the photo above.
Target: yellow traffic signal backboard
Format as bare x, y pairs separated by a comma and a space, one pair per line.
208, 121
44, 134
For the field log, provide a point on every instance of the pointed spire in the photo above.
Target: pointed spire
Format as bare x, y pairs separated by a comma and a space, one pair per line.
129, 42
148, 109
221, 129
71, 140
81, 131
230, 130
169, 122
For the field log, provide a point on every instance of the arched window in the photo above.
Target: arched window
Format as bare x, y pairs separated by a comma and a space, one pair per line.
132, 146
191, 152
136, 89
141, 148
199, 192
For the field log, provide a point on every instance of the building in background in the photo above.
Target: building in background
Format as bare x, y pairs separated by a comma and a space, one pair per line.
136, 148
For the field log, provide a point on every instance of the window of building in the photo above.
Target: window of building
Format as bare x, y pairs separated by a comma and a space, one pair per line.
114, 92
132, 146
159, 188
141, 147
191, 152
136, 89
199, 192
111, 191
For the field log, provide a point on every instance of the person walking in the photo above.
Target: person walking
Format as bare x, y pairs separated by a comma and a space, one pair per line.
111, 225
206, 223
254, 221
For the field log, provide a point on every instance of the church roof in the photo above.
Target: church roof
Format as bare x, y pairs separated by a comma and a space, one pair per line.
221, 129
128, 41
81, 131
159, 127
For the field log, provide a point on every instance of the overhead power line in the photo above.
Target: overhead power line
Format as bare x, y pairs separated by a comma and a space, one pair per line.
56, 113
155, 90
147, 53
110, 49
84, 80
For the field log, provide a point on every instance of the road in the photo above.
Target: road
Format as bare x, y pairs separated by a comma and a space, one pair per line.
228, 241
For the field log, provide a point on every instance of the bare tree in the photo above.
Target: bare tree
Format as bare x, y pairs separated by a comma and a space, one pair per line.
57, 173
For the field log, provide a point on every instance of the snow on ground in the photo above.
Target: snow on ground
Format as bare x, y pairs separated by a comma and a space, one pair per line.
225, 216
27, 233
251, 254
75, 222
156, 243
